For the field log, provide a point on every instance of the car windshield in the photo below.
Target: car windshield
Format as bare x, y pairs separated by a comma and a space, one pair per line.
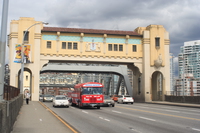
48, 95
61, 98
92, 90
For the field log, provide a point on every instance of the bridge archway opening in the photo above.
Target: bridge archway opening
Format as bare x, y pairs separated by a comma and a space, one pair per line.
114, 82
58, 82
157, 86
27, 80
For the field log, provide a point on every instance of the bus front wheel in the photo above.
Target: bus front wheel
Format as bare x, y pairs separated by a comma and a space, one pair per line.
79, 105
98, 107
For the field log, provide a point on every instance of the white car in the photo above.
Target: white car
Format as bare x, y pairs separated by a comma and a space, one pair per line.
60, 100
125, 99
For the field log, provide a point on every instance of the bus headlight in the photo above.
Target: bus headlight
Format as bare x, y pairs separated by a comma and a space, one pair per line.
99, 99
85, 99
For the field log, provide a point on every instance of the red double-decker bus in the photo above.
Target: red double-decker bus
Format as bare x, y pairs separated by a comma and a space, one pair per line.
88, 94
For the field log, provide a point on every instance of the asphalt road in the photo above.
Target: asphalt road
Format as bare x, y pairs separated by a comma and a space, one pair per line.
128, 118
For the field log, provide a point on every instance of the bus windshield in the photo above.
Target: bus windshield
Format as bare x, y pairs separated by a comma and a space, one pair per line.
92, 90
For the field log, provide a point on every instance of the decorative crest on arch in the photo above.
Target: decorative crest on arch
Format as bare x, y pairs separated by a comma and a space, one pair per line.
158, 62
93, 46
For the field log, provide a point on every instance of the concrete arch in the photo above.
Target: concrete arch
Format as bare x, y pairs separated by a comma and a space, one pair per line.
157, 86
43, 63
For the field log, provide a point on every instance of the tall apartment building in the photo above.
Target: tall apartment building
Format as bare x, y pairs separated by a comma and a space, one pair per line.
189, 59
189, 68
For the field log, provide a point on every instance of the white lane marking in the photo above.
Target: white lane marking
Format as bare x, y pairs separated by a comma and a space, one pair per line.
72, 107
147, 118
116, 111
40, 119
136, 130
84, 112
106, 119
196, 129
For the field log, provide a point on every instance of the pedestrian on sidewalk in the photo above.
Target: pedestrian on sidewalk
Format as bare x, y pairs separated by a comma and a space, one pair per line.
28, 95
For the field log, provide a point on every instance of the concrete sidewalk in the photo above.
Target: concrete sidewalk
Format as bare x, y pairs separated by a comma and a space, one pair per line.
35, 118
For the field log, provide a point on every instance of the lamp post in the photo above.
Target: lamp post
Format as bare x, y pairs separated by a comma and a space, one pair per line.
22, 56
3, 45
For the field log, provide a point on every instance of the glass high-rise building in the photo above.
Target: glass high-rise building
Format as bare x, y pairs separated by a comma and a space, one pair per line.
189, 69
189, 57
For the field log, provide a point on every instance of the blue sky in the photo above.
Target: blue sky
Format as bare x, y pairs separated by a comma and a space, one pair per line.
180, 18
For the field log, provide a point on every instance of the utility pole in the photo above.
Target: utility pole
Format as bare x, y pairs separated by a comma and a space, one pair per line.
4, 20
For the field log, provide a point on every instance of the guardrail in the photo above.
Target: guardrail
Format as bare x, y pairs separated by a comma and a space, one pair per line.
9, 110
183, 99
10, 92
181, 93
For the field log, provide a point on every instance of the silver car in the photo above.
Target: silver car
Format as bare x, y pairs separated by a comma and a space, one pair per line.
108, 101
48, 98
60, 100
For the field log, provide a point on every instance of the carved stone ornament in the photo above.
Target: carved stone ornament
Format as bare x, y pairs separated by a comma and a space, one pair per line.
93, 46
158, 62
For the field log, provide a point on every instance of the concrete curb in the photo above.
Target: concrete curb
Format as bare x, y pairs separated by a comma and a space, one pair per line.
60, 119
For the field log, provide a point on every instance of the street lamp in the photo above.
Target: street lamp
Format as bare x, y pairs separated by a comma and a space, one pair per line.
3, 29
22, 56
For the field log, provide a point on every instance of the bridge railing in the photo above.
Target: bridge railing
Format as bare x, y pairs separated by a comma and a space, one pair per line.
10, 92
181, 93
